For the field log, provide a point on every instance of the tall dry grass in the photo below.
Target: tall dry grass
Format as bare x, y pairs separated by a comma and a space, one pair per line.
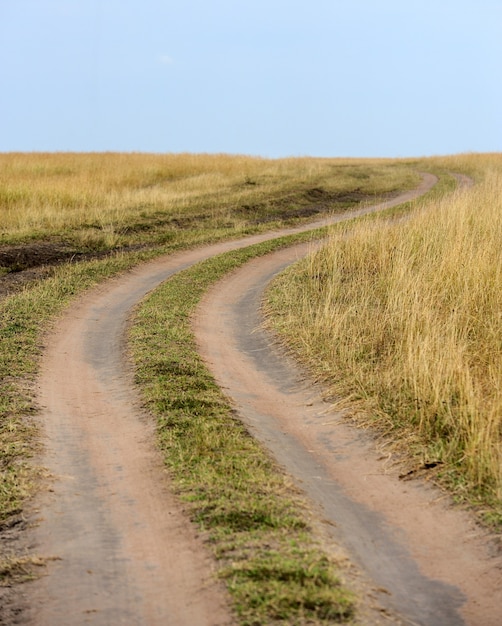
112, 198
404, 322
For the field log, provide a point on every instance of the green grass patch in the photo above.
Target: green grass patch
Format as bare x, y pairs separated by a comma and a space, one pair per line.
253, 518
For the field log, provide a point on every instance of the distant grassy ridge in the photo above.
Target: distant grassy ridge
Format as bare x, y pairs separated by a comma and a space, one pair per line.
402, 322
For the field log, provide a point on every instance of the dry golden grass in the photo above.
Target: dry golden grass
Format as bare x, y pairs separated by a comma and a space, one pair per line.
111, 199
404, 322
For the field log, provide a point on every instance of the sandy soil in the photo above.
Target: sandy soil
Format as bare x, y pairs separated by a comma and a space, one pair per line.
122, 550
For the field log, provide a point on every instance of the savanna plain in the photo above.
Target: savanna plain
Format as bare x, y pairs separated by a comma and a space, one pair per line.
398, 315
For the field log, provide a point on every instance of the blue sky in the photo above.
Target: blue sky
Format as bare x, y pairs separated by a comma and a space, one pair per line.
273, 78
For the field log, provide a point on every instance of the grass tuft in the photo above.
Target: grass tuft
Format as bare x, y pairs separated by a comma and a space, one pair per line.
19, 569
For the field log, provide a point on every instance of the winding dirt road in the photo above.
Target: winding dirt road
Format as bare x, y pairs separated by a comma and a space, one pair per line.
122, 550
427, 562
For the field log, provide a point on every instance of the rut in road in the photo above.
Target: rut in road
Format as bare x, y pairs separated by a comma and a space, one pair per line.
122, 550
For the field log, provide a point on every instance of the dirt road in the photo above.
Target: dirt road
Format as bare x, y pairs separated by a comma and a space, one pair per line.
426, 561
122, 550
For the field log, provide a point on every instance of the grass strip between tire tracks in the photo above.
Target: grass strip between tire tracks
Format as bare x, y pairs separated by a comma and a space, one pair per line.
251, 515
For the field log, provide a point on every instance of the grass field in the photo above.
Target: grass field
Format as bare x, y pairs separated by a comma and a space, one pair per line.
103, 201
112, 211
403, 323
70, 221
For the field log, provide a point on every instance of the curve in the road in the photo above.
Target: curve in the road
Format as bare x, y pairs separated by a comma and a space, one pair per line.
427, 561
122, 551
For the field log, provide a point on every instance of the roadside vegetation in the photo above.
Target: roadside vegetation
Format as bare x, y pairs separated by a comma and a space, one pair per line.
68, 222
402, 322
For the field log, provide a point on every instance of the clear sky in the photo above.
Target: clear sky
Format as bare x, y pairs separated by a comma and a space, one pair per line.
271, 78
